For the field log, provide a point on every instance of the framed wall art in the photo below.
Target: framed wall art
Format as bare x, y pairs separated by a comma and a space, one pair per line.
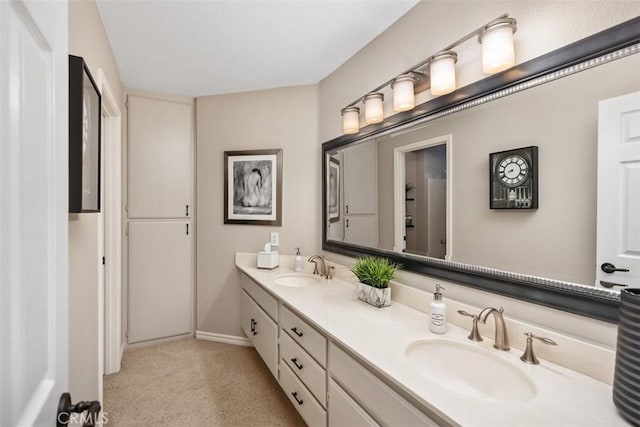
84, 138
253, 187
333, 193
513, 179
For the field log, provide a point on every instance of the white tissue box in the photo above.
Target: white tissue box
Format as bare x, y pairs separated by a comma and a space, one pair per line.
269, 260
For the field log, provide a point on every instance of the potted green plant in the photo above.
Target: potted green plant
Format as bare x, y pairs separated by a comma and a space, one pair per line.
374, 274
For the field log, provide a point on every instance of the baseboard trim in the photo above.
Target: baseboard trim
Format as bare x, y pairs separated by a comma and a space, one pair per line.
227, 339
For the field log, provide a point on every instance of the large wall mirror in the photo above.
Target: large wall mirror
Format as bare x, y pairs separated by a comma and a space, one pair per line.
417, 187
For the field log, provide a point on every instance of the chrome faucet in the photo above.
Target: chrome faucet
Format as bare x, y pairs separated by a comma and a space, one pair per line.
326, 270
501, 340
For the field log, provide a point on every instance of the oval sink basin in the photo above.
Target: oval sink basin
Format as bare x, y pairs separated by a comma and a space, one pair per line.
465, 369
296, 280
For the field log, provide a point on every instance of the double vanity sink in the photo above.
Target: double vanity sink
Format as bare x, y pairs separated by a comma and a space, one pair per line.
448, 377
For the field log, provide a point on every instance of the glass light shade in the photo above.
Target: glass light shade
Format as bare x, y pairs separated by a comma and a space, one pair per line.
442, 70
497, 47
403, 95
350, 120
373, 110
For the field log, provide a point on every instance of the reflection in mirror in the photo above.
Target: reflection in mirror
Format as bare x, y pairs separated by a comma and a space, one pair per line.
440, 194
425, 183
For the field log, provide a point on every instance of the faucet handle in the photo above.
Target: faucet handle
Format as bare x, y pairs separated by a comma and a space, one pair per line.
314, 259
330, 270
528, 356
315, 267
475, 334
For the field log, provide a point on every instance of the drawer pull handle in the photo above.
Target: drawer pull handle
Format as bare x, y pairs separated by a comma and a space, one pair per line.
295, 396
295, 362
297, 332
253, 328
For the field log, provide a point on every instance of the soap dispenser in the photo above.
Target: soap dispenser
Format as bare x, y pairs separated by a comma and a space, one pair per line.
438, 313
298, 265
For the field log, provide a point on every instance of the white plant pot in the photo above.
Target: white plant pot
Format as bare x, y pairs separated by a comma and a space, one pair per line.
377, 297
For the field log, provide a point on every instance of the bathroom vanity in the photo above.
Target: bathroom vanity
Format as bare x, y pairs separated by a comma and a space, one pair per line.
342, 362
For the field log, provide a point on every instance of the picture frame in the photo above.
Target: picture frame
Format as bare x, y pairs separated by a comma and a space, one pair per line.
253, 187
85, 114
513, 179
333, 187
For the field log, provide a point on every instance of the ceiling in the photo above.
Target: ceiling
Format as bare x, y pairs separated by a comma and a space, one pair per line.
209, 47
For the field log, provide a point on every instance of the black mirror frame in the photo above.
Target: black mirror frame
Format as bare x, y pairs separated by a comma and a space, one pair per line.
584, 301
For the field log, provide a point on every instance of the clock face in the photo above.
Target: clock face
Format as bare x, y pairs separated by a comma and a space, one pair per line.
513, 170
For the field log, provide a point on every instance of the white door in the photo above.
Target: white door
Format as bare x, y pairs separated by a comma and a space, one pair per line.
360, 173
160, 280
618, 241
33, 210
160, 164
361, 230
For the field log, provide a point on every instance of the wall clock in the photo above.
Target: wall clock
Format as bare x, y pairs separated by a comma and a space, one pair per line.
513, 179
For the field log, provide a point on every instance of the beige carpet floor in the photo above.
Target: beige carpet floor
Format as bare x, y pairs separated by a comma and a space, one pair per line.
195, 383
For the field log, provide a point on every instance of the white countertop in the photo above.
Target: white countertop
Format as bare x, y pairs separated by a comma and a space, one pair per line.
381, 336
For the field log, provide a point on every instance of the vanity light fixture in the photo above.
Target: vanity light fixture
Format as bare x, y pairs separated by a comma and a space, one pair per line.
436, 72
497, 45
442, 69
403, 92
350, 120
373, 109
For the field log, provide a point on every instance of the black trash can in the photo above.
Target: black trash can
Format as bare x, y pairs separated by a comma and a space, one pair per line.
626, 380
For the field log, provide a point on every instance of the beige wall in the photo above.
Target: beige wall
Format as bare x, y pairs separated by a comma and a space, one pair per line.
281, 118
87, 38
543, 26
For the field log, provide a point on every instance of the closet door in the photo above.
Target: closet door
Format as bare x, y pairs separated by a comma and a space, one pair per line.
160, 165
360, 173
160, 280
360, 213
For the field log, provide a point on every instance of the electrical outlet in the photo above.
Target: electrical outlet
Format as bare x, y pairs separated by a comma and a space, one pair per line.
275, 238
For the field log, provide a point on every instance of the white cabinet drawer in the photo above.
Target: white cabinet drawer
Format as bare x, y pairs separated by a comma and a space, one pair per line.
268, 303
310, 339
261, 330
344, 411
310, 410
379, 400
308, 370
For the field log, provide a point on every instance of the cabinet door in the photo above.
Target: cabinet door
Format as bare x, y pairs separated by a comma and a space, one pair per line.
160, 163
361, 230
160, 280
261, 330
344, 411
361, 179
247, 314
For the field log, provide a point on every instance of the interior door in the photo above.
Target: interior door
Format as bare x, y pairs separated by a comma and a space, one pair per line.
618, 241
160, 280
360, 179
160, 172
33, 210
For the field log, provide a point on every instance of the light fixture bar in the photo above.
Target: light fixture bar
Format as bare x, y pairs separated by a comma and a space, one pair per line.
416, 69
